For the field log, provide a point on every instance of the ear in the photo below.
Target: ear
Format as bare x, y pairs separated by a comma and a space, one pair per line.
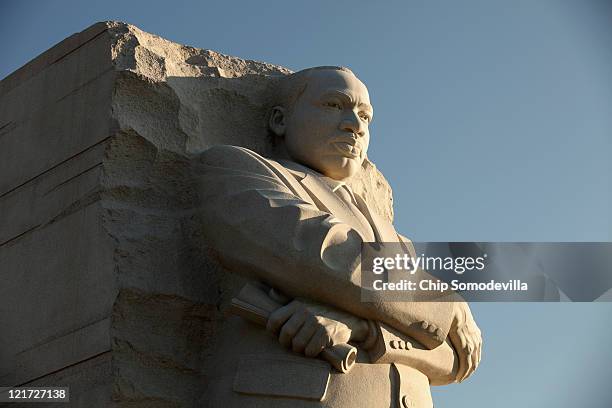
276, 122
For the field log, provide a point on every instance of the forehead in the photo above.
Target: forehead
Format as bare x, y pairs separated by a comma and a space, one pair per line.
327, 80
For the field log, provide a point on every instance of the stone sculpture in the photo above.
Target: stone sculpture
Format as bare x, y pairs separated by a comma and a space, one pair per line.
293, 225
108, 287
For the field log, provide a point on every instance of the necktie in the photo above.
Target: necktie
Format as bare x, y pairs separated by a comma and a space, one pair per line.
364, 226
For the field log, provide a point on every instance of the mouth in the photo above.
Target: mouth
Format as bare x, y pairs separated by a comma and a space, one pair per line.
350, 149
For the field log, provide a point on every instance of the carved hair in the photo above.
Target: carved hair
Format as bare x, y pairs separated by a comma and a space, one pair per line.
292, 86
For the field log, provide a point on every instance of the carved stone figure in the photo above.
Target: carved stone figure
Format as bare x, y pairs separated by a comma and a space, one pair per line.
293, 226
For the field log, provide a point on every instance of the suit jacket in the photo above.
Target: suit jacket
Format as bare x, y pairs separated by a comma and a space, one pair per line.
282, 224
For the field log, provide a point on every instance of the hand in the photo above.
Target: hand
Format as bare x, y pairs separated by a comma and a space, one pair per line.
308, 328
466, 339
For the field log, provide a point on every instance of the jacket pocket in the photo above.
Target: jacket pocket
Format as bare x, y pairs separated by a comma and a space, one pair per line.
282, 376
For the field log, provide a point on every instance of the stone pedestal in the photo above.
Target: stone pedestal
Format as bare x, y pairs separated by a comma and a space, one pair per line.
106, 286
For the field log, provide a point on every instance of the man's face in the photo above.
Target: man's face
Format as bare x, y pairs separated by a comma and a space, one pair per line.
327, 130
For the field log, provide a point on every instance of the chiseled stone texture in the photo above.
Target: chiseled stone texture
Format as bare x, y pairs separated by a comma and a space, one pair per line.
106, 285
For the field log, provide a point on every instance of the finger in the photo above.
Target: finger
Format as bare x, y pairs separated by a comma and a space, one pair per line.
290, 328
478, 353
473, 358
468, 371
472, 363
301, 339
317, 343
278, 317
440, 334
456, 342
463, 338
470, 346
469, 365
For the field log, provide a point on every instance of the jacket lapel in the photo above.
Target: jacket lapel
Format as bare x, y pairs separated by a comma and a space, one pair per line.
383, 229
317, 191
325, 199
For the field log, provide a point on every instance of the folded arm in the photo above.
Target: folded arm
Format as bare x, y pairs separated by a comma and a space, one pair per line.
260, 226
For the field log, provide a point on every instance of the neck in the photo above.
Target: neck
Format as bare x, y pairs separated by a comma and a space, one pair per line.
279, 151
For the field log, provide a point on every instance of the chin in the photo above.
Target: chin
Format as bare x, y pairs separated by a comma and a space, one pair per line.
344, 170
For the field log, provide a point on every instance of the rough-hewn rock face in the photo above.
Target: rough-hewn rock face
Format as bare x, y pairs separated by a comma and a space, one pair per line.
106, 286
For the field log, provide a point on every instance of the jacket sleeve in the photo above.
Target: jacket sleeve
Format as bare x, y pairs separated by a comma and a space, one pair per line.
260, 226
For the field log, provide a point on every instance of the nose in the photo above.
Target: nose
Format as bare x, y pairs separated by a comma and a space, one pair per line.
353, 123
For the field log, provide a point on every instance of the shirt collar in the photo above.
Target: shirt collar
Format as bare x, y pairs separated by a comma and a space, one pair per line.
332, 183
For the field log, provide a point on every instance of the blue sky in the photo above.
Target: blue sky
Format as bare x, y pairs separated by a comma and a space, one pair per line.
493, 122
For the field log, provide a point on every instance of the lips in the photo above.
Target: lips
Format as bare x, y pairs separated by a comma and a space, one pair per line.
348, 148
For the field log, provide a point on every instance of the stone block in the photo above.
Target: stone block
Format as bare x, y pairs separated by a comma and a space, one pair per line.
89, 381
106, 284
50, 136
57, 279
48, 195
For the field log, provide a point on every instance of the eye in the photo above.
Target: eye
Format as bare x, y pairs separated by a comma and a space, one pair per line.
333, 104
364, 116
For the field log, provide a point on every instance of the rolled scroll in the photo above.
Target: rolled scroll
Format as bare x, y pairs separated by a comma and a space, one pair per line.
254, 305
